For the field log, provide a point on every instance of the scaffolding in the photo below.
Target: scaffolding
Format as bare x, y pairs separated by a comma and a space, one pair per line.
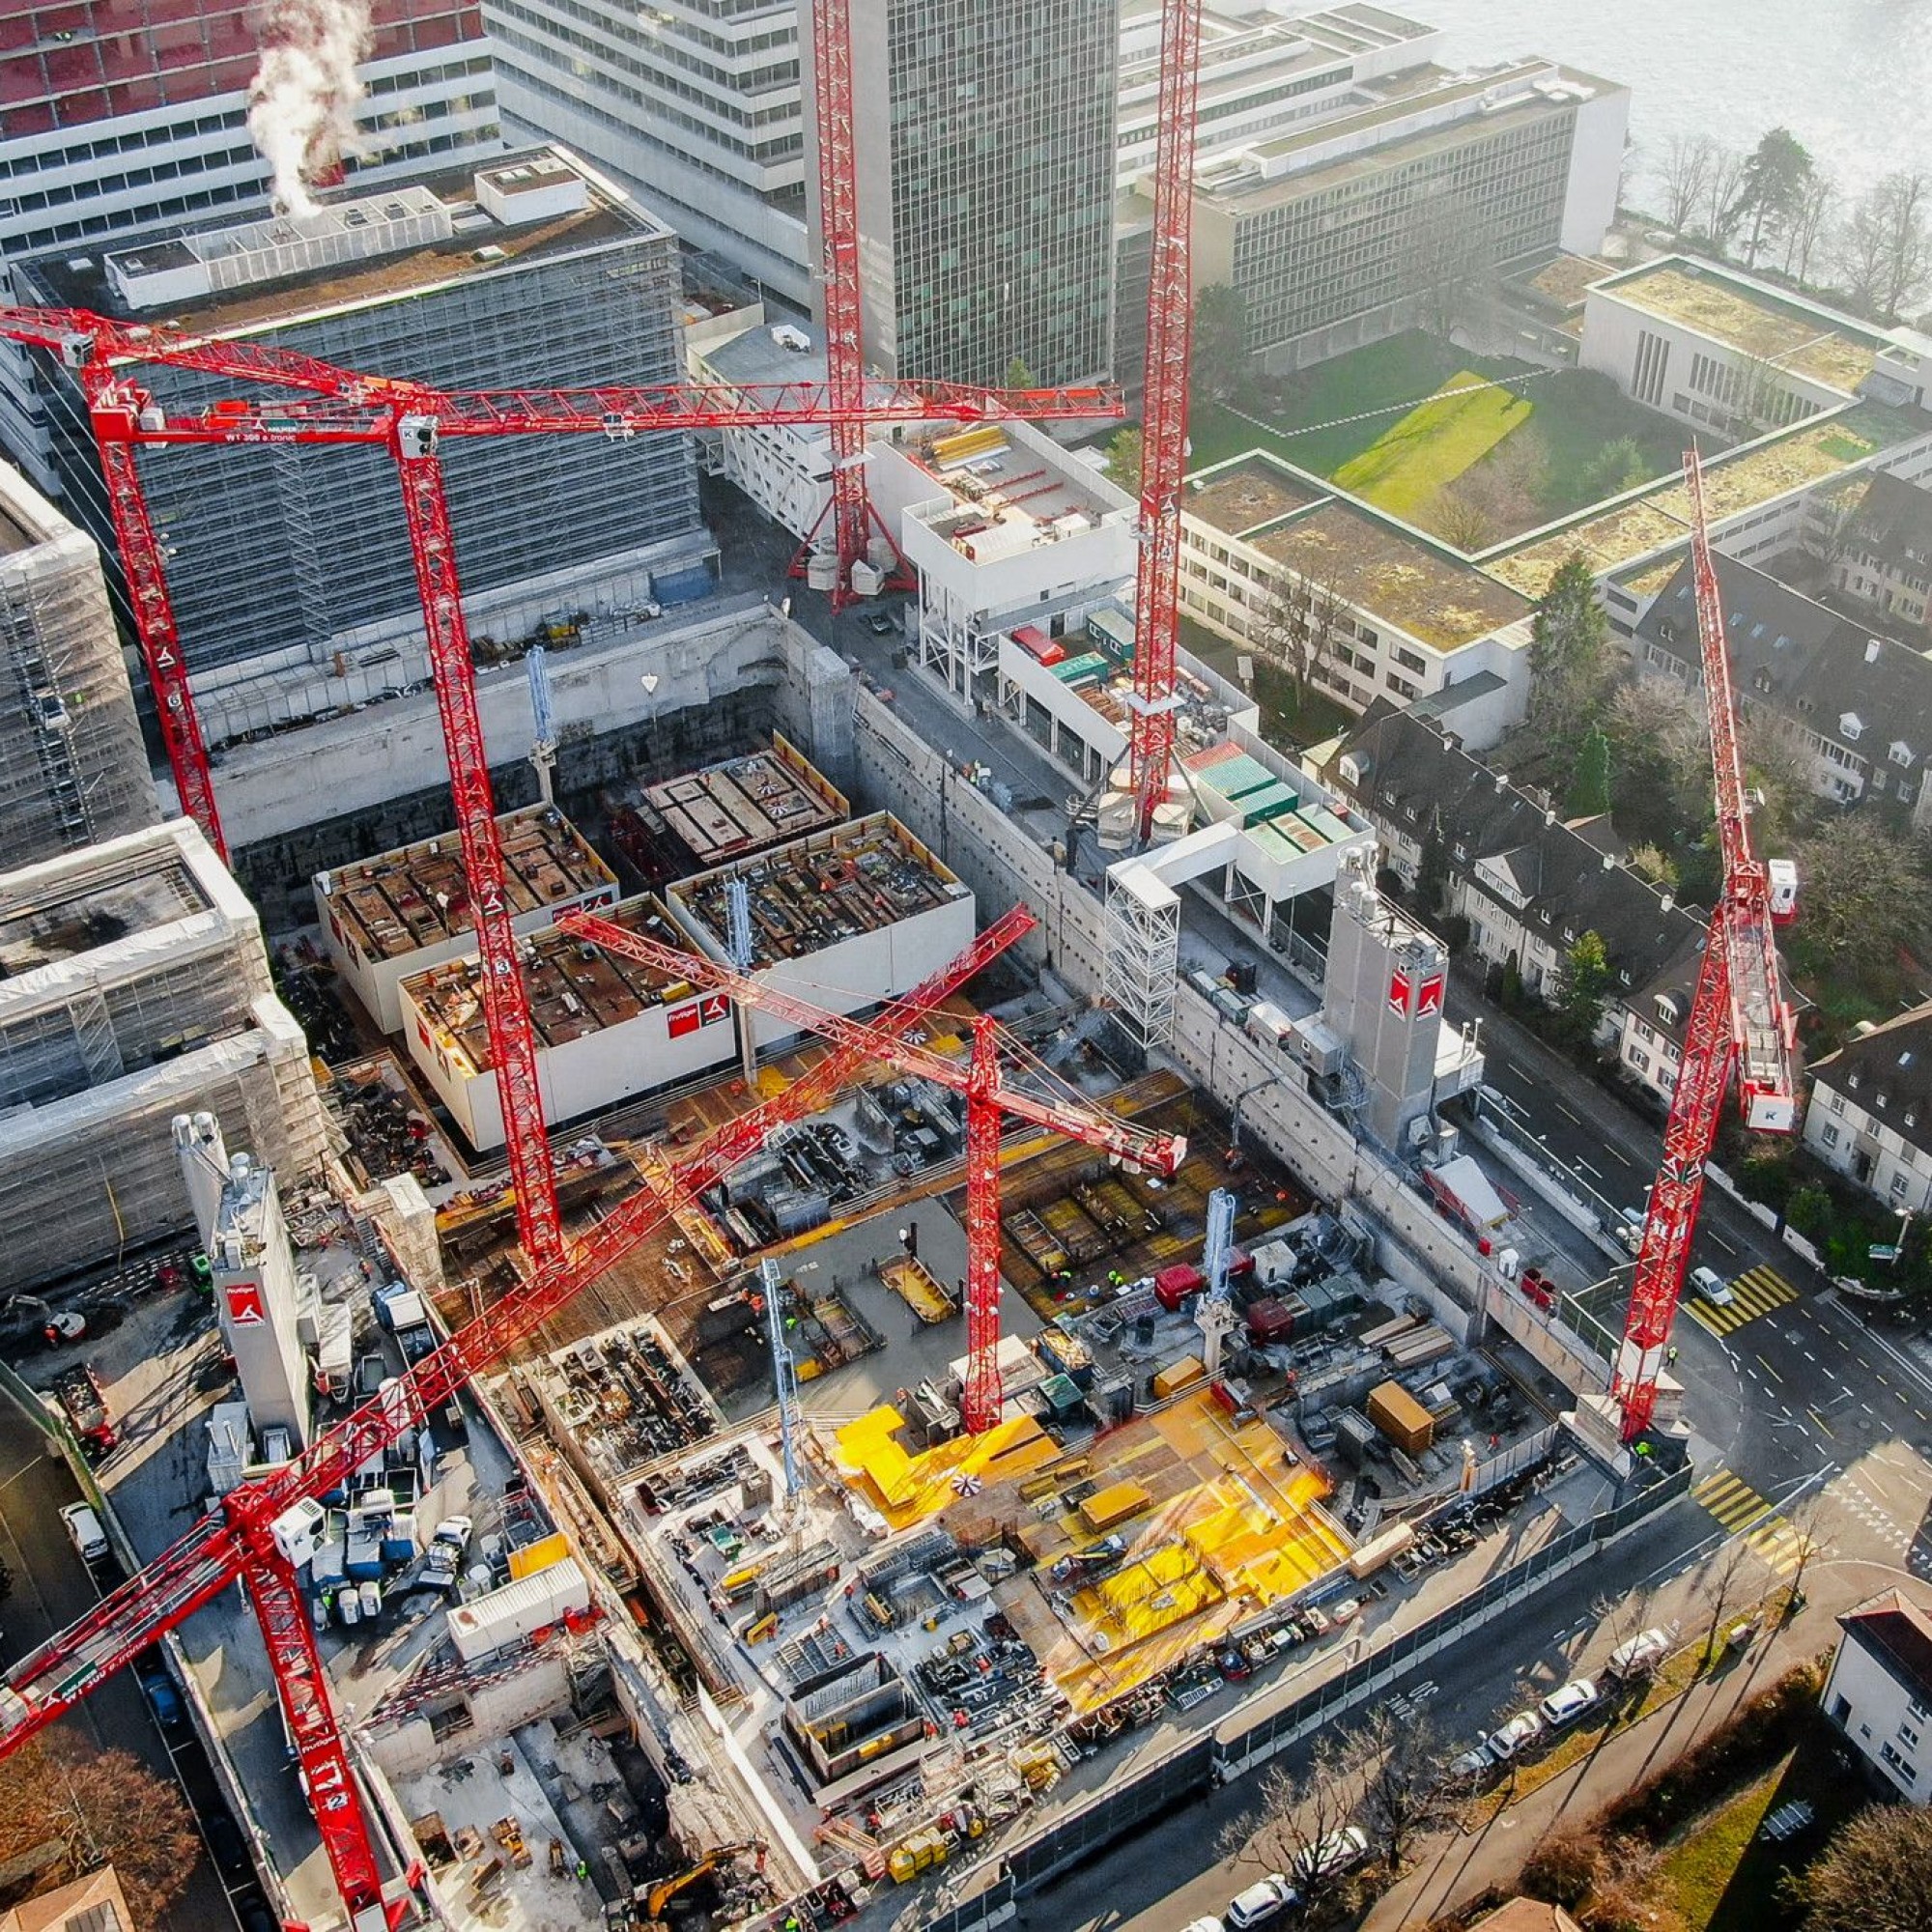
1142, 934
72, 767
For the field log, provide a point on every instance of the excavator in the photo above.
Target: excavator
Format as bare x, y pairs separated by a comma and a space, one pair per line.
666, 1889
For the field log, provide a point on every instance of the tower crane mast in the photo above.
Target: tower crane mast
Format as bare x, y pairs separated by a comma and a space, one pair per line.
1740, 1022
1170, 332
251, 1537
988, 1093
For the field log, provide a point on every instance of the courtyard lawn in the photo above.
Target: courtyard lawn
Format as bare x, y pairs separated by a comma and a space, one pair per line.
1327, 418
1405, 468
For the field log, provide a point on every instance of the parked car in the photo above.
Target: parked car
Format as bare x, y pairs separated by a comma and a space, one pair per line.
1568, 1702
84, 1531
1640, 1655
1345, 1611
1521, 1731
1333, 1854
880, 625
1260, 1902
1471, 1764
1708, 1284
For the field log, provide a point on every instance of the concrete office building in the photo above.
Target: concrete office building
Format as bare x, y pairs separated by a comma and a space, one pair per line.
133, 987
122, 114
1372, 219
72, 767
985, 185
696, 109
1261, 74
291, 569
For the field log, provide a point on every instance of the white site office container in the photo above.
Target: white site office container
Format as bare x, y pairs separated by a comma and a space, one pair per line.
484, 1624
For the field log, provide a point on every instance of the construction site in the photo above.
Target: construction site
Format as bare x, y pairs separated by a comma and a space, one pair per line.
727, 1403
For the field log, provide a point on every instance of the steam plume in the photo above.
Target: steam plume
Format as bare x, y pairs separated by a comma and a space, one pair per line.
301, 104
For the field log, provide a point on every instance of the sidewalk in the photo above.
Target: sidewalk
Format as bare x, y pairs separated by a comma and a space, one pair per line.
1453, 1870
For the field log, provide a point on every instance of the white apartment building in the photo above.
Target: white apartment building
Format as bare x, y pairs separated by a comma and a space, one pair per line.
1417, 619
1880, 1690
1006, 532
1870, 1115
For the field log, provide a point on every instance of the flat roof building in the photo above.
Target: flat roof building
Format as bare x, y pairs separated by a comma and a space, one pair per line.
120, 116
1007, 530
985, 185
133, 987
72, 767
606, 1027
292, 565
1411, 617
400, 913
1371, 219
847, 918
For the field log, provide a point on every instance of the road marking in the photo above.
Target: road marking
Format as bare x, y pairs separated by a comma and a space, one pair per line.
1822, 1422
1809, 1356
1717, 1241
1771, 1371
1753, 1293
1740, 1509
1577, 1118
1584, 1167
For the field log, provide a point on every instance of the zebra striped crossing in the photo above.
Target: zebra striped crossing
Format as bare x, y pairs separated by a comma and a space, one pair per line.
1757, 1294
1746, 1514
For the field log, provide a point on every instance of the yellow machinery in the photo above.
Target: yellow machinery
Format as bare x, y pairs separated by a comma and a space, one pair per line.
667, 1889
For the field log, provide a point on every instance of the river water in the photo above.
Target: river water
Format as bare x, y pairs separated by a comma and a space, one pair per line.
1851, 79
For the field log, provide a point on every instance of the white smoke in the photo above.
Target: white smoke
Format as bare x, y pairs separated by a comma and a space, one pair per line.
301, 104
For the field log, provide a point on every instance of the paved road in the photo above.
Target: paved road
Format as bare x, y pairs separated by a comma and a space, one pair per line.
51, 1587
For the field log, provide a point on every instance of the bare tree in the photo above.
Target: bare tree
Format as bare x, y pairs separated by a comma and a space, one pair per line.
98, 1807
1875, 1875
1803, 1519
1622, 1617
1724, 1578
1686, 174
1805, 226
1449, 255
1292, 1816
1723, 181
1496, 496
1404, 1790
1885, 254
1297, 627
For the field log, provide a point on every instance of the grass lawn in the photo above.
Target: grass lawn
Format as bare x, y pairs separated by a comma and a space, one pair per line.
1325, 419
1458, 426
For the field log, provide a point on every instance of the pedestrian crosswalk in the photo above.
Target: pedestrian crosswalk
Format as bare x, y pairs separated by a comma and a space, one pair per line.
1746, 1514
1756, 1292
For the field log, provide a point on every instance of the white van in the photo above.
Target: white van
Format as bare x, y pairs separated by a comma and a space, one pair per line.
84, 1531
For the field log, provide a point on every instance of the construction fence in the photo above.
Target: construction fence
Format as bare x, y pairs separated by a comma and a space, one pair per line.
1194, 1768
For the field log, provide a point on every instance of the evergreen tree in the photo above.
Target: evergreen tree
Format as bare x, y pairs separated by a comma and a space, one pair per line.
1590, 783
1586, 982
1220, 341
1570, 661
1123, 459
1018, 375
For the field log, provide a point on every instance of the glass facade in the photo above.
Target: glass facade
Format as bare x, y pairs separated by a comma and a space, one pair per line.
279, 550
1001, 159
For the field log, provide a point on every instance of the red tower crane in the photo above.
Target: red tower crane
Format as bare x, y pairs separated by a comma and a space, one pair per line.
336, 406
1170, 332
1740, 1021
255, 1538
989, 1093
849, 507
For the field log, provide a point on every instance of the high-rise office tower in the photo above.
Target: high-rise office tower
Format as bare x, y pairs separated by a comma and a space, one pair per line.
694, 108
985, 156
119, 114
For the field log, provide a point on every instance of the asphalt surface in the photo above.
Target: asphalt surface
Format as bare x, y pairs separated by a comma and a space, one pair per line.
50, 1588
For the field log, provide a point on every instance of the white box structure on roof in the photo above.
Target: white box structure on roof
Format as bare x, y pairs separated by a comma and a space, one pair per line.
853, 917
606, 1027
395, 915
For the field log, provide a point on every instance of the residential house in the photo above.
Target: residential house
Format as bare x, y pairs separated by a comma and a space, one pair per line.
1528, 884
95, 1903
1883, 557
1870, 1115
1860, 706
1880, 1690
